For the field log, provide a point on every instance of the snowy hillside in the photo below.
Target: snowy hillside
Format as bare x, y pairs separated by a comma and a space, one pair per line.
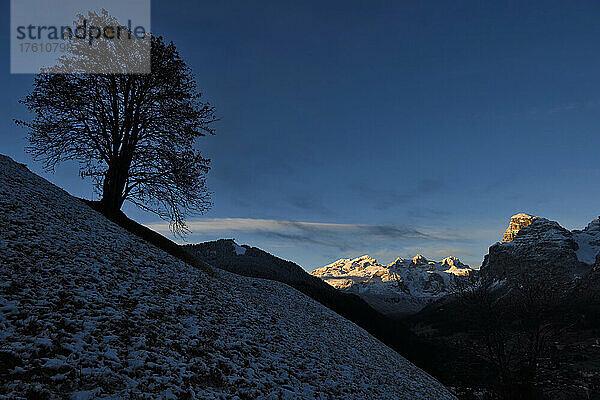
88, 310
403, 286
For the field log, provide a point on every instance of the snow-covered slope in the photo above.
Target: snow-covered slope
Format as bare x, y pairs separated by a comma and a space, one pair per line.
403, 286
88, 310
588, 242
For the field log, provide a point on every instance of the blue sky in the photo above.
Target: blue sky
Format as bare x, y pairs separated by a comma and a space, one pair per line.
386, 128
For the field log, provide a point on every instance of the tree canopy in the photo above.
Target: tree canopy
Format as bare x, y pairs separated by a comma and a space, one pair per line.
134, 135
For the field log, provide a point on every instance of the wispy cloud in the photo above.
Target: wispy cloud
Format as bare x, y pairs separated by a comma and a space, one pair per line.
306, 202
256, 224
342, 236
385, 198
274, 225
315, 243
590, 105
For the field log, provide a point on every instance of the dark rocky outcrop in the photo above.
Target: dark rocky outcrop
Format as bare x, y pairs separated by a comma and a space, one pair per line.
533, 242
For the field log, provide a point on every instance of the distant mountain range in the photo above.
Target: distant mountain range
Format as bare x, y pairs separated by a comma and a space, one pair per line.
406, 286
402, 287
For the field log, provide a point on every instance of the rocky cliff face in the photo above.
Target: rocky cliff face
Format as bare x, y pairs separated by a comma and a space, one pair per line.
517, 222
537, 244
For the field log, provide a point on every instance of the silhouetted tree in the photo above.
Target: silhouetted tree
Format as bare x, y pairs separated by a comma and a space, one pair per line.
133, 134
513, 322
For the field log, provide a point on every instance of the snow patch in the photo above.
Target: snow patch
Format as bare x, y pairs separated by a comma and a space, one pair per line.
588, 246
239, 250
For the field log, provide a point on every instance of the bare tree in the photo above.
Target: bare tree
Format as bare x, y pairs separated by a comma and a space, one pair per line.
485, 307
514, 321
132, 134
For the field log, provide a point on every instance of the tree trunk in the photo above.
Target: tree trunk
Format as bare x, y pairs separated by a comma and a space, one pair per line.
113, 187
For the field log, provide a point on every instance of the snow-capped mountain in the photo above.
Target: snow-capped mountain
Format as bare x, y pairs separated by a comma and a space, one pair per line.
408, 285
401, 287
532, 242
89, 311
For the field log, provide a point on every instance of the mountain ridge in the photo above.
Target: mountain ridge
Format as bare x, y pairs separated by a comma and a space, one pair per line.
401, 287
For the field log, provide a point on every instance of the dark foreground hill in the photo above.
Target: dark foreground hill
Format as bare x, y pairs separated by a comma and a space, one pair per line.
88, 310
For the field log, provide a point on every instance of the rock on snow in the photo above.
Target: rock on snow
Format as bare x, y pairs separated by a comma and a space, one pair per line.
88, 310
